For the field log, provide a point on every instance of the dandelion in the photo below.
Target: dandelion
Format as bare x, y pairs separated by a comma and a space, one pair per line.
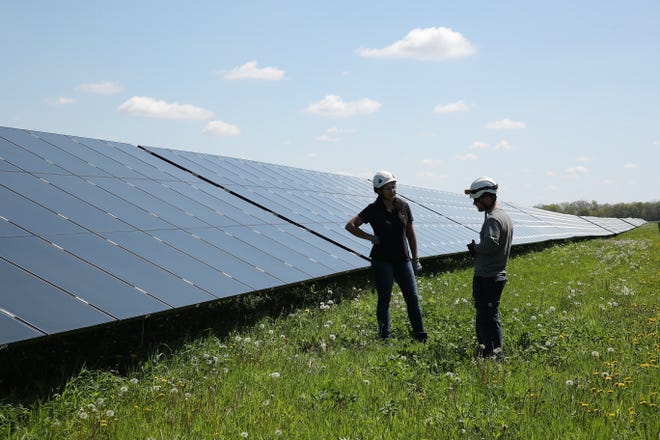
569, 383
123, 389
610, 350
278, 432
275, 375
332, 337
594, 354
244, 434
110, 413
83, 415
134, 381
367, 382
532, 318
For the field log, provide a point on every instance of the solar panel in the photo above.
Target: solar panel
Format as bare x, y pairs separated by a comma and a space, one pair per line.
105, 231
93, 231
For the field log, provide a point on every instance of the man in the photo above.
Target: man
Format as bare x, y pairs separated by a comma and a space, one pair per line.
491, 255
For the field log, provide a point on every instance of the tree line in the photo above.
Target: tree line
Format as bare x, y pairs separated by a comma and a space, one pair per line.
649, 211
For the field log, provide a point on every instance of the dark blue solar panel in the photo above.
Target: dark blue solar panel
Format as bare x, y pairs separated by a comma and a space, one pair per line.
95, 231
43, 305
13, 330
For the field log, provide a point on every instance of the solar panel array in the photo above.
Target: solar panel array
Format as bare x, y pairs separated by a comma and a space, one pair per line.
94, 232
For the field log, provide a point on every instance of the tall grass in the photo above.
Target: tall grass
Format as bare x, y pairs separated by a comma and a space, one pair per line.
582, 346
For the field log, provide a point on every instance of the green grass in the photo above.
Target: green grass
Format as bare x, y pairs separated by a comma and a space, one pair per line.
581, 326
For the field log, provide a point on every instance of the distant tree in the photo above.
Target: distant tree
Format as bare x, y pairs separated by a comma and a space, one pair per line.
649, 211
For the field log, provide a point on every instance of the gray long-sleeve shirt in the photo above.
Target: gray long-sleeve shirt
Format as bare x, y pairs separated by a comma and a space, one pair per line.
494, 247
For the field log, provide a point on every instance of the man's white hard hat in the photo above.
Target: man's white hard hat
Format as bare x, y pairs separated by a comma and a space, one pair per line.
480, 186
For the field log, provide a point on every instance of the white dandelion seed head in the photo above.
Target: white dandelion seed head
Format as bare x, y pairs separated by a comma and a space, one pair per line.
110, 413
332, 337
278, 432
123, 389
244, 434
610, 349
569, 383
82, 415
594, 354
275, 375
532, 318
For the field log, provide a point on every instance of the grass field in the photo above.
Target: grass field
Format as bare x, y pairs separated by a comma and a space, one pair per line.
582, 344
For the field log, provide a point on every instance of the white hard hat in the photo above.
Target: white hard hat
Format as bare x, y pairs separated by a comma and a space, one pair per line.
480, 186
382, 178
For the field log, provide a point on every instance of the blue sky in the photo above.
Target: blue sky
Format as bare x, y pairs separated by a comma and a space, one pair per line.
558, 101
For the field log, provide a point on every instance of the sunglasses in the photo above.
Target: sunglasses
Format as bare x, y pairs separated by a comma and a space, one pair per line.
474, 191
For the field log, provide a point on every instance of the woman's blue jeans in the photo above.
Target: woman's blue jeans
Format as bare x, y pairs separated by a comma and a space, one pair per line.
486, 292
385, 274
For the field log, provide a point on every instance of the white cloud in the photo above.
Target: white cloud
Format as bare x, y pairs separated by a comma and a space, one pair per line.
479, 145
333, 105
62, 100
250, 70
219, 128
101, 88
504, 124
468, 156
429, 44
574, 172
458, 106
631, 166
503, 145
432, 162
336, 130
155, 108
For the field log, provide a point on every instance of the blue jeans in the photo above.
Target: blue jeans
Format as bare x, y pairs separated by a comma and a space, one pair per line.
385, 274
486, 293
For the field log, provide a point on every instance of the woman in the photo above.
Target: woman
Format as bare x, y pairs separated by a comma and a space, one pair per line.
393, 241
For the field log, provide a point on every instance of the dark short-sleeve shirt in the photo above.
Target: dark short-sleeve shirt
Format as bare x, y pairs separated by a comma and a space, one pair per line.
390, 228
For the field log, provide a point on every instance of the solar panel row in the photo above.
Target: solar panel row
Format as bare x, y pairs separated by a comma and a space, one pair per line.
93, 231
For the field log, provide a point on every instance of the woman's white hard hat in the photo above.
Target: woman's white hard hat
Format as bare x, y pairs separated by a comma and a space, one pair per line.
382, 178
